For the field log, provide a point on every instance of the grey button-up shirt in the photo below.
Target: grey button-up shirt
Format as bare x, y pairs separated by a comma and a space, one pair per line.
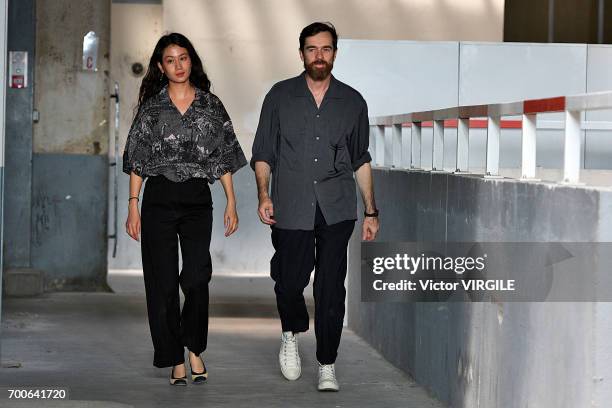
312, 151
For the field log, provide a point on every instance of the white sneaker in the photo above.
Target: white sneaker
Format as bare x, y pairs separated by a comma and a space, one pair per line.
327, 378
289, 356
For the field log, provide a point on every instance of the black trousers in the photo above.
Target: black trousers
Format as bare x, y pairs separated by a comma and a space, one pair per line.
172, 213
297, 253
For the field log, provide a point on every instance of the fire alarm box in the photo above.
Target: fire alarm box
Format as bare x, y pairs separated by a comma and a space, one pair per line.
18, 69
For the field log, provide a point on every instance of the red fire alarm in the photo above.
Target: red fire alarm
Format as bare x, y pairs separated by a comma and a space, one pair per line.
18, 69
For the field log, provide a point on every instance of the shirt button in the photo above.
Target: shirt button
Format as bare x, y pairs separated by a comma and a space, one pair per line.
315, 181
316, 160
312, 204
317, 137
318, 116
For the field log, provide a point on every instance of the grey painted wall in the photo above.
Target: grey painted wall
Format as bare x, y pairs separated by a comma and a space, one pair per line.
483, 354
69, 212
21, 36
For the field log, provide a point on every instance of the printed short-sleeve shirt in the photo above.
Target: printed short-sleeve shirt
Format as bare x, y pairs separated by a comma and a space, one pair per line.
201, 143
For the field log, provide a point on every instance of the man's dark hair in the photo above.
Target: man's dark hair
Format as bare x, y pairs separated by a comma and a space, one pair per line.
316, 28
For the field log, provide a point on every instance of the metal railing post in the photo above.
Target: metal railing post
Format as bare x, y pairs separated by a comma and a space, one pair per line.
463, 145
492, 155
380, 144
437, 154
528, 149
372, 144
388, 140
571, 152
415, 145
396, 144
406, 147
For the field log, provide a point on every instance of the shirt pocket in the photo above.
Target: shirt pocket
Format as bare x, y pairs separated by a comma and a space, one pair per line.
338, 133
293, 131
338, 145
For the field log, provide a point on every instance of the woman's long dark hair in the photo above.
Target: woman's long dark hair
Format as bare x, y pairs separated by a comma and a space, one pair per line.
154, 80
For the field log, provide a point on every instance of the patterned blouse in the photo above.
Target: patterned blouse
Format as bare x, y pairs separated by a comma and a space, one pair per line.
201, 143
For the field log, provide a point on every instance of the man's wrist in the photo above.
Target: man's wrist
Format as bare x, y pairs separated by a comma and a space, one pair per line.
372, 213
370, 207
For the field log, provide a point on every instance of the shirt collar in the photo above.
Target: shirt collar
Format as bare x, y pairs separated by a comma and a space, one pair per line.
301, 87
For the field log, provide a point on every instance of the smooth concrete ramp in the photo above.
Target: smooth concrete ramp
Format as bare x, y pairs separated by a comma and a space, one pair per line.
98, 345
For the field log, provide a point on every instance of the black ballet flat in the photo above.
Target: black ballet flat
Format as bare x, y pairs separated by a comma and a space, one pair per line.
180, 381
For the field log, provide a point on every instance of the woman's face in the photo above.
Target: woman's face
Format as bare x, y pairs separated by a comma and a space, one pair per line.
176, 63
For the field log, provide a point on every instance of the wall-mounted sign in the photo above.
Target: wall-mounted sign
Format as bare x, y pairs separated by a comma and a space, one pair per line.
18, 69
90, 52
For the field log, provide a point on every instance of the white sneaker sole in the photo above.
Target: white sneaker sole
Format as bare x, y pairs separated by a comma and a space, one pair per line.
328, 387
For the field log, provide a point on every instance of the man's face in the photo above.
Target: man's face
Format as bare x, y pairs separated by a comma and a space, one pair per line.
318, 55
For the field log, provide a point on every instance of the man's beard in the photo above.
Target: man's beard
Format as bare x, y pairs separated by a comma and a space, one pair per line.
318, 73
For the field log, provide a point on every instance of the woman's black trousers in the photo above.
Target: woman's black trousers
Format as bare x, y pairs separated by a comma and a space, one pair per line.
176, 213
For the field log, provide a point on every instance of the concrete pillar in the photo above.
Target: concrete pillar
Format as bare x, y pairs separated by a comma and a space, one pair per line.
21, 36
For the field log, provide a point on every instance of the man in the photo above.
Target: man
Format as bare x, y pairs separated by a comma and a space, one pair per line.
313, 134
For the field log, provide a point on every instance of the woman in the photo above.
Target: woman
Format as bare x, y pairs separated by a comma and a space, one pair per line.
181, 139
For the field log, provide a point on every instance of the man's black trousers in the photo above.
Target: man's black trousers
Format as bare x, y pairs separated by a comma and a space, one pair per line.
173, 212
297, 253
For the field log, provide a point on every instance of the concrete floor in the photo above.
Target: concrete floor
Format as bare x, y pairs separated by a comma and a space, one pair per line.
97, 345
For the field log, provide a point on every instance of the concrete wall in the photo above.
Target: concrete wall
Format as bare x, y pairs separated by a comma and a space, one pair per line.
483, 354
70, 144
73, 103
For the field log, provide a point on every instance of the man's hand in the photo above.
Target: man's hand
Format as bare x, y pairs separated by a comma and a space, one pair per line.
369, 228
266, 211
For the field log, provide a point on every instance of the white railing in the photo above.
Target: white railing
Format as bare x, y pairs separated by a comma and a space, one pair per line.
386, 149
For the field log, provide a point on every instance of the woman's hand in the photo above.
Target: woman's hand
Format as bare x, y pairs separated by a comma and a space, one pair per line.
132, 225
230, 219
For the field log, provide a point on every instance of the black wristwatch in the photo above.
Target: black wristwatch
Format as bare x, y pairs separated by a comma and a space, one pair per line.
373, 215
